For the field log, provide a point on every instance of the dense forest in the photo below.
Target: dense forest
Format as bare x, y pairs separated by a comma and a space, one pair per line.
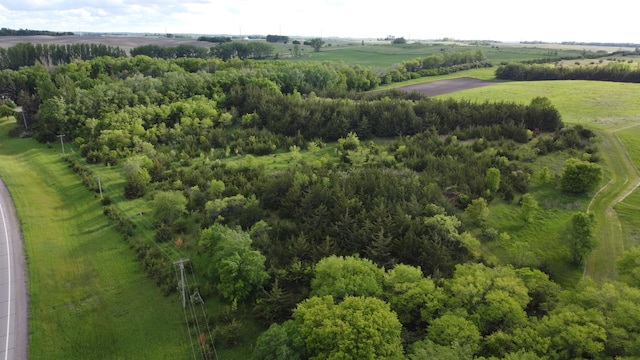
27, 54
360, 246
28, 32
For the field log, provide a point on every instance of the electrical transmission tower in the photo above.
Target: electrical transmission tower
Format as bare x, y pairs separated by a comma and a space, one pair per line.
195, 315
182, 283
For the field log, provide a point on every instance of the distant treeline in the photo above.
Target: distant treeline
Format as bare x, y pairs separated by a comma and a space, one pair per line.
438, 64
242, 50
171, 52
27, 54
224, 51
27, 32
614, 71
215, 39
600, 44
277, 38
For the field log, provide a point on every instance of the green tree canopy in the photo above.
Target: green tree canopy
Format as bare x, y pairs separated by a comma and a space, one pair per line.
346, 276
492, 180
581, 237
279, 342
168, 206
237, 269
136, 177
316, 44
628, 265
495, 298
356, 328
450, 328
580, 176
574, 333
528, 208
477, 211
411, 295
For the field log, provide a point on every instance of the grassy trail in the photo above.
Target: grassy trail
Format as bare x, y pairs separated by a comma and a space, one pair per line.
601, 263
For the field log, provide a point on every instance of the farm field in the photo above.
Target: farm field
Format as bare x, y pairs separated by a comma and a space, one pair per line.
366, 53
386, 55
89, 297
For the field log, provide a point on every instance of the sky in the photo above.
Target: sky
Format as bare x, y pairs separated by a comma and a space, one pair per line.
502, 20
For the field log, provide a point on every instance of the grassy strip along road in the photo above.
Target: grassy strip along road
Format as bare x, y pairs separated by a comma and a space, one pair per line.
89, 298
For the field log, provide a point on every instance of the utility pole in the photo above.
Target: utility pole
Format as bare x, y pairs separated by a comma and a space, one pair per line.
24, 119
19, 109
61, 142
100, 188
182, 284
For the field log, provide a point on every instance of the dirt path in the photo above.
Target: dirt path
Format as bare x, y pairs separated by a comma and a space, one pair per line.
440, 87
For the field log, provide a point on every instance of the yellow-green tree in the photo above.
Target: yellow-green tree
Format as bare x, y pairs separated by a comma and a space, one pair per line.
356, 328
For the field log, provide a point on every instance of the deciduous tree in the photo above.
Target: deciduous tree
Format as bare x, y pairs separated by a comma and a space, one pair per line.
492, 180
580, 176
478, 211
237, 269
528, 208
169, 206
346, 276
356, 328
411, 295
581, 237
316, 44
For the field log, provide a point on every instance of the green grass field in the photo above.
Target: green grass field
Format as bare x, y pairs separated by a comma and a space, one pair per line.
599, 104
89, 298
384, 55
629, 209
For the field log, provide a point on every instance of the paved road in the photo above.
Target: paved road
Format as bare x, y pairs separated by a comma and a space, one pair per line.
13, 289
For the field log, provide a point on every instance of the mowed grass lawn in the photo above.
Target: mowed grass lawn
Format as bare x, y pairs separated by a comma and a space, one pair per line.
89, 298
629, 209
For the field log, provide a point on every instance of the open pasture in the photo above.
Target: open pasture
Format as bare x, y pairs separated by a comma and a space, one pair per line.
598, 104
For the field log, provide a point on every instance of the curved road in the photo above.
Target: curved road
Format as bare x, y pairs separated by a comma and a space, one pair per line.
13, 289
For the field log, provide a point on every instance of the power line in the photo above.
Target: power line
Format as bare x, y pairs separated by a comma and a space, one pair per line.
183, 281
186, 320
206, 319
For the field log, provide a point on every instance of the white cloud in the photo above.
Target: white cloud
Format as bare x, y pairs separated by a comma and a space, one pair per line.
549, 20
